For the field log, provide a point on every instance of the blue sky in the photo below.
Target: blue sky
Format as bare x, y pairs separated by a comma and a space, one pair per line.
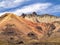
28, 6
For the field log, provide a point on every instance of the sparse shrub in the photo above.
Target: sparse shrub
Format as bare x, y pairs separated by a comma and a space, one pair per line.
32, 35
39, 28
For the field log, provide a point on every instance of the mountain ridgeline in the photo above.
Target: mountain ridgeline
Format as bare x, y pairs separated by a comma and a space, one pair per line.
34, 17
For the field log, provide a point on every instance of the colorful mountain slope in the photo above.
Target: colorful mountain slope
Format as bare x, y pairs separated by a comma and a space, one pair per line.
29, 28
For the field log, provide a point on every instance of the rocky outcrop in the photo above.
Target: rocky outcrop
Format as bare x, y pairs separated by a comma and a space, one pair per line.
34, 17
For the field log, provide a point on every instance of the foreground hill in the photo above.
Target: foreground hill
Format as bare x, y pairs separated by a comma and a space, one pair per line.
30, 29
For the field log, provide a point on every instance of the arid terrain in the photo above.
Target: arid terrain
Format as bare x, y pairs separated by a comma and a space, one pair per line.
29, 29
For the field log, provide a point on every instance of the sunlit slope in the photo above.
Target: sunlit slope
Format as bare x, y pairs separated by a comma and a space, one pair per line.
29, 29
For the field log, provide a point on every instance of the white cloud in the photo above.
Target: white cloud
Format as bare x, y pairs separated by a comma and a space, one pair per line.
11, 3
55, 8
42, 8
16, 1
33, 7
52, 10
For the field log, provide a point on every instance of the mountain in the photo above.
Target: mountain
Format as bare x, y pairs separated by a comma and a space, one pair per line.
29, 29
40, 18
